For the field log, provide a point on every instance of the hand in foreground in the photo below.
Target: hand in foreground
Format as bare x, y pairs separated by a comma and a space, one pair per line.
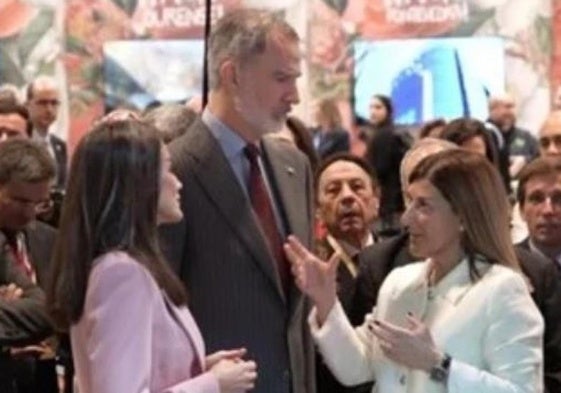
314, 277
10, 292
231, 354
413, 347
234, 376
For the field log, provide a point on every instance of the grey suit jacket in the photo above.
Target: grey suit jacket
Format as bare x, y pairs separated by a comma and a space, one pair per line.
219, 252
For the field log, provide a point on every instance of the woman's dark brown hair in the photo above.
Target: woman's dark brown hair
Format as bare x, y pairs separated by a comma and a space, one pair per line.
111, 204
474, 190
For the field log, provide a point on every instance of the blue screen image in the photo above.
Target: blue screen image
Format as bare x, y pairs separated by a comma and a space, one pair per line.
429, 78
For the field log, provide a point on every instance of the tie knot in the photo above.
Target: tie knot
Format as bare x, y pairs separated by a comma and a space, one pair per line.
252, 152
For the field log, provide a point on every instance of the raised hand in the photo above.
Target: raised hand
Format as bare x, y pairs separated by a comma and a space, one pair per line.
314, 277
412, 347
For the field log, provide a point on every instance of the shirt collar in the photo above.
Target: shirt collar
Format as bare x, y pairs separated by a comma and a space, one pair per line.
232, 144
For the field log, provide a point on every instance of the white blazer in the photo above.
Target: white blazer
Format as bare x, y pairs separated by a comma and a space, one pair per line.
490, 328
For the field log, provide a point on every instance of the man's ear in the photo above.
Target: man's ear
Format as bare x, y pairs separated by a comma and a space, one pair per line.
229, 74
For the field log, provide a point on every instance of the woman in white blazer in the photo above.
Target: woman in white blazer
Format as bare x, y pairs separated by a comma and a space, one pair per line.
130, 328
462, 320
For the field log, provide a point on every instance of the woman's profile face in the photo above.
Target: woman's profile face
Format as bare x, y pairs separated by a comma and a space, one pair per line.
169, 209
378, 111
434, 229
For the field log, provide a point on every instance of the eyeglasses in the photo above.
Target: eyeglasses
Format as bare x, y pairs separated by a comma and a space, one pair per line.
46, 102
545, 141
537, 198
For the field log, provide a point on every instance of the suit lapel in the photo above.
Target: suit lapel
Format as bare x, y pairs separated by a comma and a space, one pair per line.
286, 181
216, 177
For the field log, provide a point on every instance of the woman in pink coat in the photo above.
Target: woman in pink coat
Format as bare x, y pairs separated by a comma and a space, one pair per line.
130, 329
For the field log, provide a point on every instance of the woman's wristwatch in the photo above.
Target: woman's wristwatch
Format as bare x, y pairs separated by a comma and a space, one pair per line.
439, 373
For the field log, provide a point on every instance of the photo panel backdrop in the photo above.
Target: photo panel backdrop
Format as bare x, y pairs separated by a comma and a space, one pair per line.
525, 26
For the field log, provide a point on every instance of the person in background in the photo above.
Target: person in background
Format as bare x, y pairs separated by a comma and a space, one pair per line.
26, 173
249, 191
518, 146
385, 150
43, 102
108, 263
432, 129
472, 135
347, 199
296, 132
462, 319
14, 121
550, 135
172, 120
329, 137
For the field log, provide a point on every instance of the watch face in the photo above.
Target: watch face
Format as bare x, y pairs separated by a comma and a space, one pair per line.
438, 374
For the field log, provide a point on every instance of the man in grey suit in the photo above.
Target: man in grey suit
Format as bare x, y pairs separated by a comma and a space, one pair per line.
243, 193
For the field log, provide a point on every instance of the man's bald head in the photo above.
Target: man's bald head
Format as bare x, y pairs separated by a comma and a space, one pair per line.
502, 109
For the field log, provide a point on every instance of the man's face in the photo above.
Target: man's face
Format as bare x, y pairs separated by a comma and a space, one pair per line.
20, 202
503, 113
542, 210
346, 201
43, 107
550, 137
267, 86
12, 125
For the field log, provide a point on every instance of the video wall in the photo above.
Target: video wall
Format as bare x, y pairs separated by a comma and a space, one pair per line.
429, 78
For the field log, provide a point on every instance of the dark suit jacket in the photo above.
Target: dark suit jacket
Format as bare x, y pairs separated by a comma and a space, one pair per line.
331, 142
23, 321
40, 240
219, 252
61, 159
378, 260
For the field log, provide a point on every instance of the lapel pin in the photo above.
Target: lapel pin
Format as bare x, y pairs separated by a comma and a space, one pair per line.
290, 170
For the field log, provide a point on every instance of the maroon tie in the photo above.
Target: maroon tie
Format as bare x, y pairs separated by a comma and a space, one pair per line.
261, 203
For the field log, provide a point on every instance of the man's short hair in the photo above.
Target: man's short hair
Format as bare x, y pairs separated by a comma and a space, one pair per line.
171, 120
541, 166
240, 35
8, 107
348, 157
26, 161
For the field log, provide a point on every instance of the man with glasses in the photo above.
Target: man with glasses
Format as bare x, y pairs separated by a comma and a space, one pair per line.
42, 96
26, 174
550, 135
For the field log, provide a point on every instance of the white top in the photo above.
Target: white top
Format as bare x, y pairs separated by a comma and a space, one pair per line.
490, 328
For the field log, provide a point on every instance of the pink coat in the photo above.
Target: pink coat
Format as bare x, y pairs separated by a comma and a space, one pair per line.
132, 339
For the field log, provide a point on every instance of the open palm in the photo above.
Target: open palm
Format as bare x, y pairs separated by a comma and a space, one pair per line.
314, 277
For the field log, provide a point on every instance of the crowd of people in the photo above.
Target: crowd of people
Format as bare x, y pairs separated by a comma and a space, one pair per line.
234, 248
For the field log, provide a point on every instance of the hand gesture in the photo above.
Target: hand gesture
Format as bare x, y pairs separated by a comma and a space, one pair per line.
10, 292
232, 354
314, 277
234, 376
412, 347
